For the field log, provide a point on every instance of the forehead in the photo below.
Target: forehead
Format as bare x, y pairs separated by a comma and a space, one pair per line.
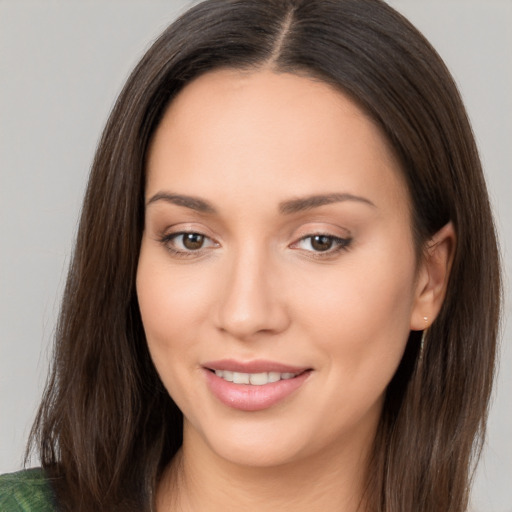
265, 132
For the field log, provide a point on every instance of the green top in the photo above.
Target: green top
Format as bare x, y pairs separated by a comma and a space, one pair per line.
26, 491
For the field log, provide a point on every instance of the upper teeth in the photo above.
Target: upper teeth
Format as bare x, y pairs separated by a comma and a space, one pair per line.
256, 379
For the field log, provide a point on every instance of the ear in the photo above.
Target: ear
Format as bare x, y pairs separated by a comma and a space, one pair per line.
433, 275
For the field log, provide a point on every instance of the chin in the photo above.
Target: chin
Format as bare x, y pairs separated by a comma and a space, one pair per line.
255, 444
259, 454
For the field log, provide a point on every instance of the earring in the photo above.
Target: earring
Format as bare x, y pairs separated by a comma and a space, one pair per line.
423, 336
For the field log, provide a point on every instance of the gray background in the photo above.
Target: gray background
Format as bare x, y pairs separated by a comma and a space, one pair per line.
62, 64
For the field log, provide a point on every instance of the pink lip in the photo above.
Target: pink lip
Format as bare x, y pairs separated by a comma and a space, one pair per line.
246, 397
256, 366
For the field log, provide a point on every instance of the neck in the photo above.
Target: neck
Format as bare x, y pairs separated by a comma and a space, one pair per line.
199, 480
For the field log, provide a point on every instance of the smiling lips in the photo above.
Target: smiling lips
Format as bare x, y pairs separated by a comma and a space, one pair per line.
253, 386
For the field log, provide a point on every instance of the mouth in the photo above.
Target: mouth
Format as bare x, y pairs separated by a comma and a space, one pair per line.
253, 386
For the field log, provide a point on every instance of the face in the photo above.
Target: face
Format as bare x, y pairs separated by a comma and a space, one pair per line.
277, 279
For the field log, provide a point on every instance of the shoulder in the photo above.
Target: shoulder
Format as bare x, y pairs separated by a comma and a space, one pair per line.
26, 491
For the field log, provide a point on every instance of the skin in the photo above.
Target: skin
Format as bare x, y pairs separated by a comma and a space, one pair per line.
258, 288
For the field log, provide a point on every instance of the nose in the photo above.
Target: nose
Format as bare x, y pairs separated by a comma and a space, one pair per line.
252, 303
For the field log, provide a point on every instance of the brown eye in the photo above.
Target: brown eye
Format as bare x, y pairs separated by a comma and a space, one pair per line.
322, 242
192, 241
188, 243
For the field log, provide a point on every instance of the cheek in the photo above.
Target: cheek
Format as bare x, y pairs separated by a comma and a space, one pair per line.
171, 305
170, 301
360, 315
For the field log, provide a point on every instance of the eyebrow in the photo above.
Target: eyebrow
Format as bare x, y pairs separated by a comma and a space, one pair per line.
286, 207
307, 203
194, 203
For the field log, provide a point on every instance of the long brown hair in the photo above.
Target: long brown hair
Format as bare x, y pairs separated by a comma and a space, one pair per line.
107, 427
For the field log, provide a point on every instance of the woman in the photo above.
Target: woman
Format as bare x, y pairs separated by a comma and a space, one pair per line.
277, 298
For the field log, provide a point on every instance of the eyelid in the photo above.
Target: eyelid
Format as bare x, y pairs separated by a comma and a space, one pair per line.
182, 228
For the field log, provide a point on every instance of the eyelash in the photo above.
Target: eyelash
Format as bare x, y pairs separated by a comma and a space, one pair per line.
338, 244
